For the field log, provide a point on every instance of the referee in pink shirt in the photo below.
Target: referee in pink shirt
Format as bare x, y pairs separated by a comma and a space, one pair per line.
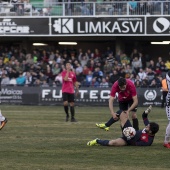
69, 81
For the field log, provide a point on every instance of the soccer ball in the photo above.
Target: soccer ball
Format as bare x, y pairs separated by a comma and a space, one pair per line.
129, 132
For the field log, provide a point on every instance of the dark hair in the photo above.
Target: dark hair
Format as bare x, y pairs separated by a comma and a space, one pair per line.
121, 81
154, 127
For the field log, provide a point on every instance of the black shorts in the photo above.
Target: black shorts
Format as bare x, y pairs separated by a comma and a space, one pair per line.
68, 97
126, 104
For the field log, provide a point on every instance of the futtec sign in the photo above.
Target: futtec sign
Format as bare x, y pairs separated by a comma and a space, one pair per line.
99, 26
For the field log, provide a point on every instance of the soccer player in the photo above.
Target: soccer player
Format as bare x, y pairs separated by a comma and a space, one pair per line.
128, 101
167, 134
3, 121
69, 81
143, 137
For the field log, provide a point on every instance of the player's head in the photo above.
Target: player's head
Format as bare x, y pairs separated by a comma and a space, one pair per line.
122, 83
154, 127
68, 65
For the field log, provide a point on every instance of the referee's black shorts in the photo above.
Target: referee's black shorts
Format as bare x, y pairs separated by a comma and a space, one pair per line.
68, 97
124, 105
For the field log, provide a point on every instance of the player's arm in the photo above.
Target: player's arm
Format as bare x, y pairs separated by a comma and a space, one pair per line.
66, 76
111, 100
135, 103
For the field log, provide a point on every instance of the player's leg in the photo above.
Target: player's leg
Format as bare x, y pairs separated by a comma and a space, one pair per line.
3, 120
114, 142
167, 133
65, 103
106, 126
134, 116
72, 109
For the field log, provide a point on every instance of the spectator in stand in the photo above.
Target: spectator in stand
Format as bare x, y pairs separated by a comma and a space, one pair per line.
124, 59
56, 69
159, 61
79, 68
37, 83
29, 79
137, 83
132, 78
108, 51
107, 68
29, 59
136, 65
12, 73
133, 7
128, 71
89, 54
114, 77
49, 75
163, 68
152, 65
97, 74
150, 75
5, 80
142, 74
83, 59
97, 54
13, 81
85, 71
44, 83
21, 79
158, 71
94, 82
153, 84
89, 78
111, 59
104, 83
134, 54
91, 65
58, 79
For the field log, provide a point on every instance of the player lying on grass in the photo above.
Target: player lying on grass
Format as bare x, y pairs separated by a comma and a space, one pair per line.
143, 137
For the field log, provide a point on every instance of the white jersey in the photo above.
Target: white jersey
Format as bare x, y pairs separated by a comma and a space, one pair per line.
168, 95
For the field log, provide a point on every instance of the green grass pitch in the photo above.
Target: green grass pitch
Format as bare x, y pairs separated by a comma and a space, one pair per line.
38, 138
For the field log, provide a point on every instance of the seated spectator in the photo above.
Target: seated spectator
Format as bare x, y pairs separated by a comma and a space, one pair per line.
138, 83
142, 74
104, 83
21, 79
114, 77
5, 80
56, 69
13, 81
85, 71
94, 83
44, 84
136, 65
89, 78
58, 79
144, 83
29, 79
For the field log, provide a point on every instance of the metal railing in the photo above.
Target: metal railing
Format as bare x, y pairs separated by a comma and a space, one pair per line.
124, 8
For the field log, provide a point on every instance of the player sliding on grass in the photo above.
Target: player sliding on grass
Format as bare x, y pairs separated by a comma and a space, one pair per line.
143, 137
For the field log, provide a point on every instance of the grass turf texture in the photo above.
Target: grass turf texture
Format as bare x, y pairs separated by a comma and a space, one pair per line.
38, 138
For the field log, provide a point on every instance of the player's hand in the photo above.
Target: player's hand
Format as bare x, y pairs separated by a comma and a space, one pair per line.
115, 117
77, 92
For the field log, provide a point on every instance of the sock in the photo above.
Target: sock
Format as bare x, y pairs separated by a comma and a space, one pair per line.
2, 118
66, 110
103, 142
135, 124
167, 135
72, 111
110, 122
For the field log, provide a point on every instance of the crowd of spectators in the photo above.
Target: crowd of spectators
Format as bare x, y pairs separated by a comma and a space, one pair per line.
93, 69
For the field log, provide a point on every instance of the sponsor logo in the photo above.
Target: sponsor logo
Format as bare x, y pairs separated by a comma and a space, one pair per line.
11, 92
63, 25
161, 25
150, 95
98, 26
9, 26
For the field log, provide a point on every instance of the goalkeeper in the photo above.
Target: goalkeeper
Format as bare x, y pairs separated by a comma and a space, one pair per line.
143, 137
